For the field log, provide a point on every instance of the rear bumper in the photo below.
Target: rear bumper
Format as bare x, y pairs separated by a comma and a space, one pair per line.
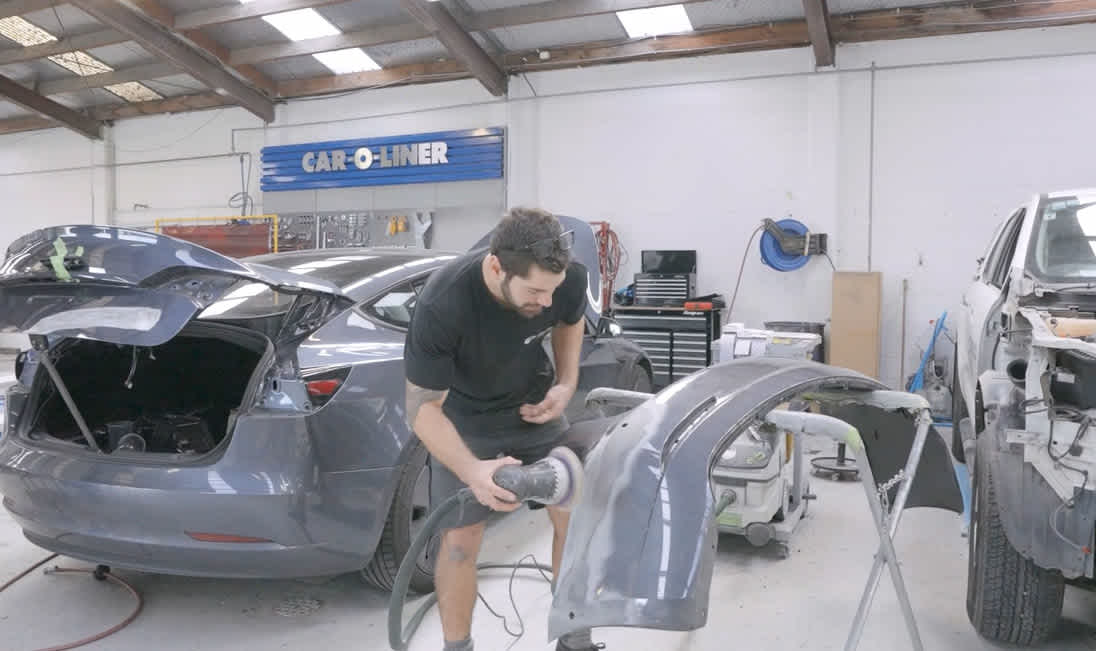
138, 517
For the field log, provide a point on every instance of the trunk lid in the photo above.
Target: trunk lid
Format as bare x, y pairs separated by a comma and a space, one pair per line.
132, 287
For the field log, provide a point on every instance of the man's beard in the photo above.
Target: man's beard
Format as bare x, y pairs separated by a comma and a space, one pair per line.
527, 310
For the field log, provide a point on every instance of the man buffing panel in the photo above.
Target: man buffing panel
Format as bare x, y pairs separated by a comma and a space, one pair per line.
482, 391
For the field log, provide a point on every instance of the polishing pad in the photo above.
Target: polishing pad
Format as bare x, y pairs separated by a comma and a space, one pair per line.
569, 477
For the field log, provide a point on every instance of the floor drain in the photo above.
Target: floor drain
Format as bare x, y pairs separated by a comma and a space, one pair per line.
297, 606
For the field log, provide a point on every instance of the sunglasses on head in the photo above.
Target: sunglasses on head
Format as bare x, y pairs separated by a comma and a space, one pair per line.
549, 245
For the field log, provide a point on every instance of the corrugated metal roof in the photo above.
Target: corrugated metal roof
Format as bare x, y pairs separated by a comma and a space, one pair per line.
63, 19
176, 85
395, 54
351, 16
89, 97
123, 55
40, 69
294, 68
245, 33
742, 12
484, 5
561, 32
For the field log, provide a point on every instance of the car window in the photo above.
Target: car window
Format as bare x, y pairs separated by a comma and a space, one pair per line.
1063, 243
996, 268
395, 306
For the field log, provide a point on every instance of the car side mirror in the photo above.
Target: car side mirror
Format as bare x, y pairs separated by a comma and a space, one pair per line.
607, 327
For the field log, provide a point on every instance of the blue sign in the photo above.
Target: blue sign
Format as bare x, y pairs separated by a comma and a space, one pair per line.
423, 158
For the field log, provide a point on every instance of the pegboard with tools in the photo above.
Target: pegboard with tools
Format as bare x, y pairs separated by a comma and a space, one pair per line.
329, 230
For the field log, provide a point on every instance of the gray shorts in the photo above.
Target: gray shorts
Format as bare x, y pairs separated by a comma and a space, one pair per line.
526, 443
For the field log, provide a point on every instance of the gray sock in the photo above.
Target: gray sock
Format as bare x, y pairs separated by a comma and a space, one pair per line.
462, 645
577, 640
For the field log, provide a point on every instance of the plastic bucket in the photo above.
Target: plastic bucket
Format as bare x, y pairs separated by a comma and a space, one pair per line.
819, 329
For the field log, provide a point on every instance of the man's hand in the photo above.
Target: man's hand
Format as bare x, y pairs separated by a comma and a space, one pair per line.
480, 478
551, 408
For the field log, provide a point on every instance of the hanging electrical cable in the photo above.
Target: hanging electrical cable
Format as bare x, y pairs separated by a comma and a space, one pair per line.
609, 254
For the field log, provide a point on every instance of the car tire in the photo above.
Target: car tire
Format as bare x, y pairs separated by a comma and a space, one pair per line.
399, 530
1009, 598
958, 410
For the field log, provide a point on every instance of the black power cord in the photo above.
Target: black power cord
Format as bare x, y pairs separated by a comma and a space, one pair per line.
399, 636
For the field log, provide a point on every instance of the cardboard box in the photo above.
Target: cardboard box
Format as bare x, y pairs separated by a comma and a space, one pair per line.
855, 321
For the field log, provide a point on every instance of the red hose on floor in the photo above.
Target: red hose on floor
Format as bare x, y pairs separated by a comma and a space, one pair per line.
109, 576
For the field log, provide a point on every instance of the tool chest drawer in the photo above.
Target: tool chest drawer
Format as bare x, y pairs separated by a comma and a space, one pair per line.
677, 342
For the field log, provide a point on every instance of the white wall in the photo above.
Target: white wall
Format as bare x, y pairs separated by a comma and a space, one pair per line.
926, 151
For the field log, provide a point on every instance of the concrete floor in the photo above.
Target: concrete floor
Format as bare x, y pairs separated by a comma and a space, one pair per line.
758, 601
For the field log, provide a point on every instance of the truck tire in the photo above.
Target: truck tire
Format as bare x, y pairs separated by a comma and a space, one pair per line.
1009, 598
410, 505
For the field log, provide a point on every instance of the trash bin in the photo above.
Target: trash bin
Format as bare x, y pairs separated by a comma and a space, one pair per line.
819, 329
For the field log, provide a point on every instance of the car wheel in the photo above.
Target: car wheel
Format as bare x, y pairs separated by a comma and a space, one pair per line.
958, 410
410, 508
1009, 598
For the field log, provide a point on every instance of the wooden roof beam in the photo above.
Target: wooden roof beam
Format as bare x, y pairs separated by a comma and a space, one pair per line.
20, 95
959, 18
438, 21
170, 47
818, 26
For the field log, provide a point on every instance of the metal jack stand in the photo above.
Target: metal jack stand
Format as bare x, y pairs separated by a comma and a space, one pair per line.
886, 523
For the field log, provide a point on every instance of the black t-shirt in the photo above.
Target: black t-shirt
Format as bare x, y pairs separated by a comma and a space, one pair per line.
490, 358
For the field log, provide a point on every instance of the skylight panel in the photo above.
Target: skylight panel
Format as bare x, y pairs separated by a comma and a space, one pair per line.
655, 21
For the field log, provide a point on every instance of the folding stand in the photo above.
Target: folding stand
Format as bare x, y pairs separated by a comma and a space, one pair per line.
886, 523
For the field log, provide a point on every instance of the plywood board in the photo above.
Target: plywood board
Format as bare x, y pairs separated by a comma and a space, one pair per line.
855, 321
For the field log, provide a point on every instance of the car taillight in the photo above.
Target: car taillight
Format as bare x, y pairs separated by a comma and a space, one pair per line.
324, 385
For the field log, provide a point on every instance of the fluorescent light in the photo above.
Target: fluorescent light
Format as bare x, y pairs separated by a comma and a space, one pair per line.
134, 91
641, 23
81, 63
23, 32
27, 34
344, 62
302, 24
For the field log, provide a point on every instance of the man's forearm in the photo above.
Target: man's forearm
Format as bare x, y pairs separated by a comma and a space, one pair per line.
567, 346
435, 430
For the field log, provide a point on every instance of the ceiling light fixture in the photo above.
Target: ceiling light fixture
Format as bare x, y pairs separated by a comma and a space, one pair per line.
347, 61
27, 34
655, 21
302, 24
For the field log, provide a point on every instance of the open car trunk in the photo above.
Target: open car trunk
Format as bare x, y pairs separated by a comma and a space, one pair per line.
99, 302
178, 398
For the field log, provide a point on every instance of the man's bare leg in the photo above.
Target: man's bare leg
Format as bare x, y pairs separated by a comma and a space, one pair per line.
579, 640
560, 520
455, 580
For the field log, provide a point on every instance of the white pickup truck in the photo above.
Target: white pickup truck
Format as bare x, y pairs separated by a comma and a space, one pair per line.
1024, 404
